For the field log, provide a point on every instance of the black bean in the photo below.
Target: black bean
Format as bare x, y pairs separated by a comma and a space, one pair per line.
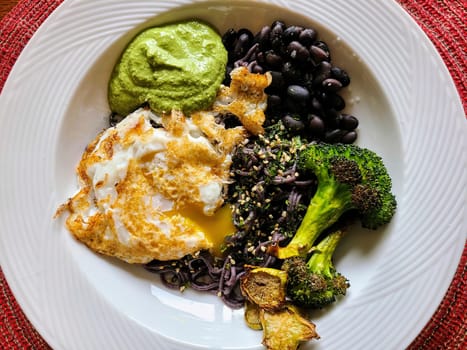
323, 72
297, 51
246, 31
274, 101
323, 46
316, 124
292, 33
333, 136
277, 80
229, 38
277, 30
262, 37
333, 118
349, 122
345, 80
332, 100
331, 84
295, 106
227, 78
293, 123
324, 98
341, 75
335, 101
278, 45
273, 59
298, 93
324, 67
241, 46
307, 36
308, 80
316, 105
278, 27
290, 72
318, 54
349, 137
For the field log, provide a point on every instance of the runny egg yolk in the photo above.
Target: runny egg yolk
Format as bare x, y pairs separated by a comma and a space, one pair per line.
216, 227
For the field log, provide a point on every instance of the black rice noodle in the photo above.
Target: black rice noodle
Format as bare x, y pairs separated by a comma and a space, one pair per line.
204, 273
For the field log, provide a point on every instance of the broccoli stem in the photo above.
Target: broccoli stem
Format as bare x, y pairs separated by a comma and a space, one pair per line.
330, 201
321, 259
316, 283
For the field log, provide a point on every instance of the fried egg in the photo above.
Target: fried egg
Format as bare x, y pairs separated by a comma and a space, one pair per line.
153, 187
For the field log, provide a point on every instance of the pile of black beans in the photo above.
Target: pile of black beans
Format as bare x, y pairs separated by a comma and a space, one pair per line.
304, 93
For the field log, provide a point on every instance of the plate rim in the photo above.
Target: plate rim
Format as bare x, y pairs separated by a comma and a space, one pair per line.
16, 283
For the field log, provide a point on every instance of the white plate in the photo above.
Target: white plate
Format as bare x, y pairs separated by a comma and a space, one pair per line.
54, 102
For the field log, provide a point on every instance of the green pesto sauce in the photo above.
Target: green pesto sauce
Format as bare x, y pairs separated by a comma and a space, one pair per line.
178, 66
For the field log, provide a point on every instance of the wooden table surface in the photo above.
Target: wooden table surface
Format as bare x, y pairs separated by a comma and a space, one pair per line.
5, 6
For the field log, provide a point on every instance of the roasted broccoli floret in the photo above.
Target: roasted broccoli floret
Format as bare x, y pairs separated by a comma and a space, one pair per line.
315, 283
350, 179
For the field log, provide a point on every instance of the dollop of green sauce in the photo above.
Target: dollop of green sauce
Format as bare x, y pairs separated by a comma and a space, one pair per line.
178, 66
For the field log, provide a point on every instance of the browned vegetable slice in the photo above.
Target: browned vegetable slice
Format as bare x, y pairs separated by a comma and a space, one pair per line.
252, 318
285, 329
265, 287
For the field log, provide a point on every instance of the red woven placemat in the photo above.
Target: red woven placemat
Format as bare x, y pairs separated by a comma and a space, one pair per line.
444, 21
